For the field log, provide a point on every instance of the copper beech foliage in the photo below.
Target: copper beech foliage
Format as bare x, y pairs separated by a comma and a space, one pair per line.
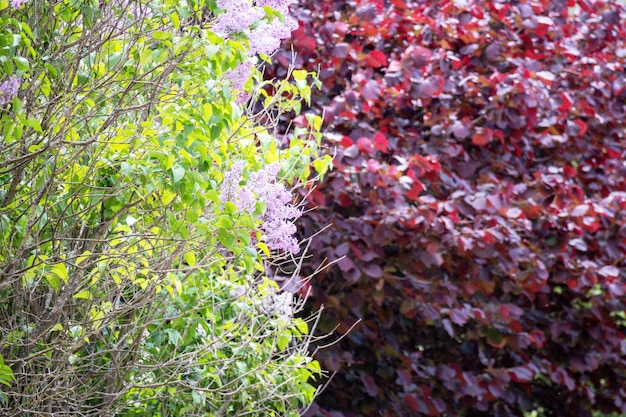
478, 200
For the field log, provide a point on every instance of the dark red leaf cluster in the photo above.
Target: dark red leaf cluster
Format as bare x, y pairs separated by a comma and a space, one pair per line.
478, 200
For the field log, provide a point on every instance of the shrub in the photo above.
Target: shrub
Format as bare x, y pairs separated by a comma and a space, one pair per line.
477, 204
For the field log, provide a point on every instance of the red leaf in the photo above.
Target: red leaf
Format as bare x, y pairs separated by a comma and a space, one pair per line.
369, 384
371, 90
432, 87
521, 374
582, 126
346, 264
456, 62
538, 338
546, 76
377, 59
415, 190
482, 138
572, 283
317, 198
344, 200
460, 130
579, 210
307, 42
585, 6
458, 316
560, 376
373, 165
617, 289
543, 24
477, 12
609, 271
346, 142
341, 50
566, 103
411, 401
372, 270
380, 142
418, 55
440, 406
305, 290
365, 145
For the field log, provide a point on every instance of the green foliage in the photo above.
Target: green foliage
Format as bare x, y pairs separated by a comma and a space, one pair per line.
127, 286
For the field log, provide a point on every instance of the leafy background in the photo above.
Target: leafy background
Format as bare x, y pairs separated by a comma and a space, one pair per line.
476, 204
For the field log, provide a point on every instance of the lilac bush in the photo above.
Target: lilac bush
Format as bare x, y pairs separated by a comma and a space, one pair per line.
107, 224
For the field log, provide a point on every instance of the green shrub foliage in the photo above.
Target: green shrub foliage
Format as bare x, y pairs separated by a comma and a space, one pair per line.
129, 284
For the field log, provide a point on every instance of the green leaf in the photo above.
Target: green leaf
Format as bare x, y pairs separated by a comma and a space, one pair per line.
190, 258
173, 336
175, 20
183, 231
302, 326
9, 67
226, 238
230, 207
85, 295
21, 63
178, 173
34, 124
17, 105
224, 222
146, 57
161, 35
60, 271
264, 248
283, 341
6, 374
24, 26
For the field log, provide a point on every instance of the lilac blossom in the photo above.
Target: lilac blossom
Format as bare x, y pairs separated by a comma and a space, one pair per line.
8, 89
230, 184
280, 5
277, 221
16, 4
238, 16
238, 78
278, 303
265, 38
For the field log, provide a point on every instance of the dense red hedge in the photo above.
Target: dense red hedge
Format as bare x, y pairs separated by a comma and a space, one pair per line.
479, 198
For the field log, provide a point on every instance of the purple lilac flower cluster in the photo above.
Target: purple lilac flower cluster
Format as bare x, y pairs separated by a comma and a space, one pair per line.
8, 89
238, 78
277, 221
265, 38
238, 16
16, 4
